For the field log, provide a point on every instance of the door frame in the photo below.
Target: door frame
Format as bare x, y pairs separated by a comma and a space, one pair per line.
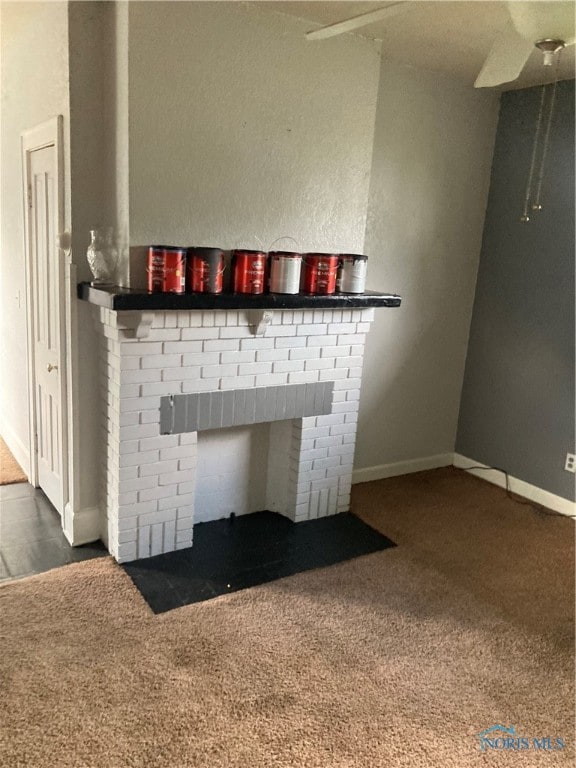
46, 134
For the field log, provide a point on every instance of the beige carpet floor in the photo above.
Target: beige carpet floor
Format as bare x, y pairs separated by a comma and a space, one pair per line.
394, 659
10, 470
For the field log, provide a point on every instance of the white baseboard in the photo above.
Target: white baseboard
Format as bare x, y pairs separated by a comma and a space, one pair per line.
15, 445
402, 468
81, 526
519, 487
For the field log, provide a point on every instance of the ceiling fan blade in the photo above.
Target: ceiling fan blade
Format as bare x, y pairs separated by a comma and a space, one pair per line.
340, 27
506, 60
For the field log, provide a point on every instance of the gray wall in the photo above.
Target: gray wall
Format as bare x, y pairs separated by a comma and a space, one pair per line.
518, 401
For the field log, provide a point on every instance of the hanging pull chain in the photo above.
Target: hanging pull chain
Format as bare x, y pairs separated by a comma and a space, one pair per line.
525, 218
537, 205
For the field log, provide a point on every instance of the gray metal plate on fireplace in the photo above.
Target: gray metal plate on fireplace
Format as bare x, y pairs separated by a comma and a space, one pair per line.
237, 407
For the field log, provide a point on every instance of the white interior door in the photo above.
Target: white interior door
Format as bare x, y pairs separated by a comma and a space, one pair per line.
46, 278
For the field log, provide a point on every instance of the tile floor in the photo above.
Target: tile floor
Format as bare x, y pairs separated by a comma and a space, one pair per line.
232, 554
31, 538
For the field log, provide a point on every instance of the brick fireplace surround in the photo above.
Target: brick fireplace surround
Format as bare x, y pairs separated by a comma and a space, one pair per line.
167, 376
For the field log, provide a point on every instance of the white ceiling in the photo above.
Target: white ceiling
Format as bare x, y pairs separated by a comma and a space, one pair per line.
438, 35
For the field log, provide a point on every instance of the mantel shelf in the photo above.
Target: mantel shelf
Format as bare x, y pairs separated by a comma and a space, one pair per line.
128, 299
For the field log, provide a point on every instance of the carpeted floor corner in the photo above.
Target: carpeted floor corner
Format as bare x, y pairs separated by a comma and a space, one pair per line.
398, 658
10, 470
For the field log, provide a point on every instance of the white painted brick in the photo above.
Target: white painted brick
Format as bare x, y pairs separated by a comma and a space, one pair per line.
333, 374
311, 329
351, 418
330, 461
353, 394
138, 376
188, 438
327, 442
357, 350
126, 523
140, 484
237, 382
362, 327
183, 319
232, 318
202, 358
161, 388
184, 524
283, 366
340, 328
161, 361
130, 497
222, 345
158, 467
343, 429
129, 363
185, 373
342, 353
355, 373
129, 390
289, 342
174, 502
218, 371
347, 407
208, 319
341, 450
150, 417
127, 473
267, 355
198, 385
192, 334
238, 357
126, 552
349, 362
271, 379
175, 452
156, 517
137, 509
135, 459
318, 485
195, 319
261, 342
170, 320
248, 369
303, 377
239, 332
352, 338
179, 476
319, 364
185, 488
347, 384
128, 446
287, 317
161, 492
141, 348
140, 403
162, 334
156, 443
322, 341
187, 463
305, 353
182, 347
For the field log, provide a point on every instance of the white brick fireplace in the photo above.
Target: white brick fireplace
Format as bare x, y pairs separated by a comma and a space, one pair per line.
212, 413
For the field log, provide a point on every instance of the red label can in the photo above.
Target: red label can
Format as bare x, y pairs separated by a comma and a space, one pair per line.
249, 271
205, 270
320, 270
155, 268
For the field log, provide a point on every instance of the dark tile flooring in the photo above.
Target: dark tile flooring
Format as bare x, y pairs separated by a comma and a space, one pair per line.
233, 554
31, 538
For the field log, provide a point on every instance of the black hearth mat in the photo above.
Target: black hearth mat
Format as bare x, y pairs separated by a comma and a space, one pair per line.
232, 554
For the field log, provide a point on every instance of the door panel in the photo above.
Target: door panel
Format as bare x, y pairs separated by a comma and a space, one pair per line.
46, 282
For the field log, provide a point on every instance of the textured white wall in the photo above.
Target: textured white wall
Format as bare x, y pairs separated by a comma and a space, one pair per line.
430, 174
34, 84
240, 128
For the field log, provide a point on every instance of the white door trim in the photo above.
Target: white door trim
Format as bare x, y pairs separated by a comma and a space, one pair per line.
49, 133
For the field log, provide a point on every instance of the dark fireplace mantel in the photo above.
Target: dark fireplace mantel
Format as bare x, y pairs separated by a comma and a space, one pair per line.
121, 299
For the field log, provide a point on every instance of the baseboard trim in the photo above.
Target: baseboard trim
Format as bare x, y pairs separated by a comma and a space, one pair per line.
16, 446
520, 487
81, 526
401, 468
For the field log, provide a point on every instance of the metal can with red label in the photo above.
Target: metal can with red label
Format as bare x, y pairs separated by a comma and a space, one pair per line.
205, 270
249, 269
166, 269
320, 270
